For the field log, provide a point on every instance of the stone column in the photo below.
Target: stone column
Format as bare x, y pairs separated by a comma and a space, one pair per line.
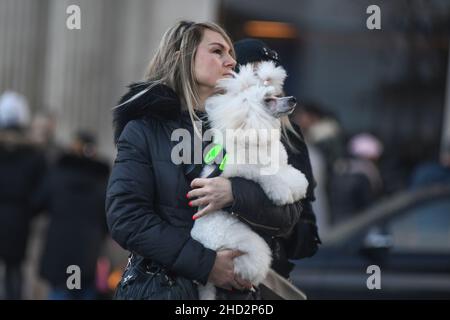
22, 47
81, 74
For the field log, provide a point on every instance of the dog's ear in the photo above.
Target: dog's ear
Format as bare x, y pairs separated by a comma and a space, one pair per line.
271, 75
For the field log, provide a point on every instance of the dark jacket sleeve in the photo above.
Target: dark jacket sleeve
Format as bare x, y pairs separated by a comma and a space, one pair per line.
133, 221
253, 206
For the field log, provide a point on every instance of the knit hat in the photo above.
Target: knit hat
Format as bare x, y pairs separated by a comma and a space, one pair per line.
366, 146
254, 50
14, 110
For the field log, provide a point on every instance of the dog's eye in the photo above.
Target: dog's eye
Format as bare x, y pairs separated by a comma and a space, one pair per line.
268, 100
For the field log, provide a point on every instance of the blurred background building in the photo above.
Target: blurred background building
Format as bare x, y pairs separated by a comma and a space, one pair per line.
79, 75
393, 83
390, 81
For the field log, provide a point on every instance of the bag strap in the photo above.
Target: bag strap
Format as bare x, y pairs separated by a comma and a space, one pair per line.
278, 288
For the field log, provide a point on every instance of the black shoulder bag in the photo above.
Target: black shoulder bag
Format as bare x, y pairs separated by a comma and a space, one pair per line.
146, 280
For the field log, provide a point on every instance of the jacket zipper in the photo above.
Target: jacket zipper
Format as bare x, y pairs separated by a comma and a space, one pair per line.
256, 224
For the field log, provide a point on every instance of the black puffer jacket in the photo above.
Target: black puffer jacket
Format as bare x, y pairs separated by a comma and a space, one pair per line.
147, 210
146, 205
21, 170
73, 194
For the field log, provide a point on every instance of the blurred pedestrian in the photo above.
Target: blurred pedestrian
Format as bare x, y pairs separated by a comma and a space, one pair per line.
42, 134
326, 140
73, 194
322, 130
21, 169
357, 181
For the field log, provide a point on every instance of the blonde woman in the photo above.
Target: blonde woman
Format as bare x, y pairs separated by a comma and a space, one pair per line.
150, 200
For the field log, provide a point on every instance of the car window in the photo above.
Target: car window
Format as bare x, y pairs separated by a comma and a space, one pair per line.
422, 228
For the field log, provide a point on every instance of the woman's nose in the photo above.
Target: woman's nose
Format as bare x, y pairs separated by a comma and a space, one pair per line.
230, 62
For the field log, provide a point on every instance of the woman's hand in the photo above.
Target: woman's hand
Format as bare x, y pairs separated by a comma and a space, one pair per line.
211, 193
222, 274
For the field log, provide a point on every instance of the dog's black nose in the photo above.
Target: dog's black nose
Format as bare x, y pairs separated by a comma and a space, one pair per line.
292, 101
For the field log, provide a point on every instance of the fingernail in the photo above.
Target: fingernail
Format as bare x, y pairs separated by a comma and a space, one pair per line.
194, 217
190, 203
187, 195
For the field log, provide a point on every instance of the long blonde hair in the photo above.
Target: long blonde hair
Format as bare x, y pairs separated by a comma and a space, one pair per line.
286, 126
173, 63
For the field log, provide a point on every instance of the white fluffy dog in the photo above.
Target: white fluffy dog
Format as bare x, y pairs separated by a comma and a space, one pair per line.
248, 108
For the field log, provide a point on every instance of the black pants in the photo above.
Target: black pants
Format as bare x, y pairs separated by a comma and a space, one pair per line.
13, 280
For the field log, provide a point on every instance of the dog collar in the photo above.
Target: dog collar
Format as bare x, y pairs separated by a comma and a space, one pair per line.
213, 153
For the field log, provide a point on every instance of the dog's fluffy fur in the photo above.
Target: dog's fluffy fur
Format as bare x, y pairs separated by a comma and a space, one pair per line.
245, 102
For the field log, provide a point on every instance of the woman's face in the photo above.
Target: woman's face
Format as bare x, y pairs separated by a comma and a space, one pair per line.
213, 61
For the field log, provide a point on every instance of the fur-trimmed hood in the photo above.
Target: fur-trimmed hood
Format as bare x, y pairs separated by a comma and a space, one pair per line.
145, 99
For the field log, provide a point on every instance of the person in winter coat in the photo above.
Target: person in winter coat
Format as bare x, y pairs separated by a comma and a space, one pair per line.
303, 241
357, 182
21, 168
148, 204
73, 194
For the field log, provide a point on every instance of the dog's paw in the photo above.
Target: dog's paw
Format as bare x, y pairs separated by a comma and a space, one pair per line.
299, 190
276, 189
297, 182
281, 195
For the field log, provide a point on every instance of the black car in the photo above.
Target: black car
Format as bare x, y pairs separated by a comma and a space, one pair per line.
399, 249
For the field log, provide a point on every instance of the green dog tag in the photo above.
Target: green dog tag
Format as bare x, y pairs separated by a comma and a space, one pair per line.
223, 163
212, 154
